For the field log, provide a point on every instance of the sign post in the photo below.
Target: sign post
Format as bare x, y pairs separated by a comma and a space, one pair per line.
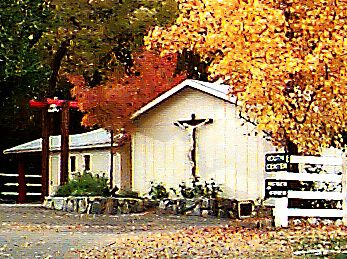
276, 162
276, 188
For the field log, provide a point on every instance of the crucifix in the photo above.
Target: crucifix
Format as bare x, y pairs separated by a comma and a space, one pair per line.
191, 126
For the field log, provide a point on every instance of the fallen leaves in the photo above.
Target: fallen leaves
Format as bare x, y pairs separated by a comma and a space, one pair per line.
228, 242
165, 237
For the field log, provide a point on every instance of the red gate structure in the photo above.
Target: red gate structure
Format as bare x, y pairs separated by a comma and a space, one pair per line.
51, 105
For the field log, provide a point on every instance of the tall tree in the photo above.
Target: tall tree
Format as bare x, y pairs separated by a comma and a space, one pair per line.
285, 60
22, 25
22, 73
92, 37
111, 104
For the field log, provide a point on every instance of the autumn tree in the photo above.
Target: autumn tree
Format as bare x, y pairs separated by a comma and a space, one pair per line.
92, 37
285, 61
111, 104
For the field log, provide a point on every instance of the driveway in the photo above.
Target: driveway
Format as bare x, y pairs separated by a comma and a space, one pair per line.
30, 231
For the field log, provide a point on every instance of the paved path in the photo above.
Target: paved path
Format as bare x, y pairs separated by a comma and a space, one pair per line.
35, 232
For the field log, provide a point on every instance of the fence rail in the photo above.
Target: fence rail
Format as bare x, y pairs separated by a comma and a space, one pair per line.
281, 210
315, 195
9, 186
316, 160
334, 178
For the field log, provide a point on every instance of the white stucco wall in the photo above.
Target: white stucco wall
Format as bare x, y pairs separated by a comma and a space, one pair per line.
224, 151
54, 172
99, 164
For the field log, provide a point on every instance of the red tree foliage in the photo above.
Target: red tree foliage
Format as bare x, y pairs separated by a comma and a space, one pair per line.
111, 105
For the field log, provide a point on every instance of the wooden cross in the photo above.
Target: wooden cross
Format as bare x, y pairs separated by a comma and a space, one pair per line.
191, 126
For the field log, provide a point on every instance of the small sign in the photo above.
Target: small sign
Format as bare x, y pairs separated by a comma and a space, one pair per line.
276, 188
276, 162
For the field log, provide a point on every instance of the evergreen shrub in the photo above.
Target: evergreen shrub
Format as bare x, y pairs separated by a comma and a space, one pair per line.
84, 185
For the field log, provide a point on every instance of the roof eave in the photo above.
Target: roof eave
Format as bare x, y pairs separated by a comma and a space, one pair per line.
186, 83
7, 152
72, 148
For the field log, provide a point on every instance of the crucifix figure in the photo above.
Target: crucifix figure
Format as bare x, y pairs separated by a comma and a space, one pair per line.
191, 126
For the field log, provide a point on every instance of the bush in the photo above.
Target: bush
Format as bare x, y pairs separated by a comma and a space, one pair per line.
198, 189
128, 193
84, 185
158, 191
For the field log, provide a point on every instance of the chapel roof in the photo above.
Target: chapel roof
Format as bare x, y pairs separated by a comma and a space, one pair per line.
99, 138
215, 89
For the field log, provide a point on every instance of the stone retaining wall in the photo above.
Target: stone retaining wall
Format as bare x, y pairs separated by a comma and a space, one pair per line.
97, 205
218, 207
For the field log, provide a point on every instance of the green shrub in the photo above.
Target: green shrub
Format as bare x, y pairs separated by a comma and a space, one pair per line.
84, 185
127, 193
158, 191
199, 189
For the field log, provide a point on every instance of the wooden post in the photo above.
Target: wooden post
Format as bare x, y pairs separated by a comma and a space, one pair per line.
344, 189
281, 212
21, 180
126, 167
45, 139
111, 162
45, 154
64, 157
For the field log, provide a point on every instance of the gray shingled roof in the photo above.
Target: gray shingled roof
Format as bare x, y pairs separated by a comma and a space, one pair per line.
94, 139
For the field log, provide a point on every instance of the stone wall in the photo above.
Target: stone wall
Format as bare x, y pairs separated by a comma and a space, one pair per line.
217, 207
97, 205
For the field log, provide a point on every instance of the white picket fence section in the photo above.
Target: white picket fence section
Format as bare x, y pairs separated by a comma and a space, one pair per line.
281, 210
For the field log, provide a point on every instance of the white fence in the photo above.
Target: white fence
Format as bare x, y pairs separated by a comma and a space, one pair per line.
281, 210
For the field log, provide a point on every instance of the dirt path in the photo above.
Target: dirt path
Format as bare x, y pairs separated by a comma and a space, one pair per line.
35, 232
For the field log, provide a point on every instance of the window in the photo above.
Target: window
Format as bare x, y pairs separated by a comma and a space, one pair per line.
72, 164
86, 162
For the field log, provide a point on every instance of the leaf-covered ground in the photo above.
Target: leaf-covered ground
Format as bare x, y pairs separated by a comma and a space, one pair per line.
34, 232
302, 241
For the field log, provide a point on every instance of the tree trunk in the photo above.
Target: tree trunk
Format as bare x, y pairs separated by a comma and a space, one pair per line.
56, 64
292, 149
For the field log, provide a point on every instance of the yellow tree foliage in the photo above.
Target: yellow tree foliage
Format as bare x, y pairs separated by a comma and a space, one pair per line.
285, 61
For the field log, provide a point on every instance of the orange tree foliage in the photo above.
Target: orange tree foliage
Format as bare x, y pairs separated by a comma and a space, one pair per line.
285, 60
111, 105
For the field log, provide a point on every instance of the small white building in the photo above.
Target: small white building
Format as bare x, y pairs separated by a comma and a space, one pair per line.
194, 123
90, 152
229, 149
